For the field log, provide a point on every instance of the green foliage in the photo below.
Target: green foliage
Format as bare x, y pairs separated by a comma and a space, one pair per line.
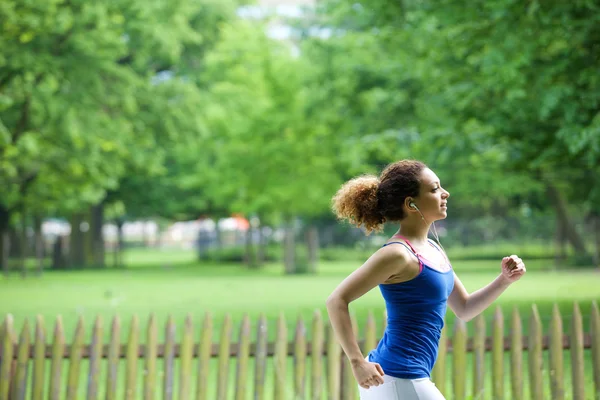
173, 110
71, 94
498, 101
263, 153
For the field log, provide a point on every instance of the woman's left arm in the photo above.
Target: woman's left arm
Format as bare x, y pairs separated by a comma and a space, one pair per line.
467, 306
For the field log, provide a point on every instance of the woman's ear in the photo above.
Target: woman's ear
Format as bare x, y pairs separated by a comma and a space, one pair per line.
410, 204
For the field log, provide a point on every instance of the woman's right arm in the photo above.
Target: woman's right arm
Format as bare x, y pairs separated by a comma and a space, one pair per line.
387, 262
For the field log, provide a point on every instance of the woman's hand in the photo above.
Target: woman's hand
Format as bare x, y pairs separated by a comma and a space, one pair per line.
367, 373
513, 268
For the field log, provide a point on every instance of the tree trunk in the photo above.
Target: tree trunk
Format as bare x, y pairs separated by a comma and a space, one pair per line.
289, 256
77, 242
15, 242
203, 244
261, 255
596, 225
96, 236
145, 235
59, 260
24, 253
250, 253
218, 241
312, 244
119, 245
562, 214
4, 241
5, 248
561, 251
39, 243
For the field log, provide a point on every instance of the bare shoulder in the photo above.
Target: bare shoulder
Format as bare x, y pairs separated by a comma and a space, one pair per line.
392, 256
399, 262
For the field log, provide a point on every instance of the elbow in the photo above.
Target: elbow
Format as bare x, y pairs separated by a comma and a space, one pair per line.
463, 313
465, 317
334, 302
331, 301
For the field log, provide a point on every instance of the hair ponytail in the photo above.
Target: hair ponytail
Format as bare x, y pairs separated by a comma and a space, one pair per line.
356, 201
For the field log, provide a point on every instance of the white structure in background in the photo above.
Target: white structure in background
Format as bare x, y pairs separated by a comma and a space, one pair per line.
182, 234
133, 231
55, 227
186, 234
277, 11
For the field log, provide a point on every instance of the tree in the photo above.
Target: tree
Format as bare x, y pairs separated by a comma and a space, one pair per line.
481, 83
268, 158
58, 135
80, 106
527, 78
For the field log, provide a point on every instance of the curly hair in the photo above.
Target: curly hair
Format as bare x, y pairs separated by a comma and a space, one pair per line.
371, 201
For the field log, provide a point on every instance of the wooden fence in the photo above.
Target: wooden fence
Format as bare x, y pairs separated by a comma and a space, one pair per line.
315, 369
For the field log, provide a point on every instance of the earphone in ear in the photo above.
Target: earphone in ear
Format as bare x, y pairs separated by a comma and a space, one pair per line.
413, 205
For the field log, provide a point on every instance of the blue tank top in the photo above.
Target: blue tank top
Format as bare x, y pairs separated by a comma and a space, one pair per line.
415, 318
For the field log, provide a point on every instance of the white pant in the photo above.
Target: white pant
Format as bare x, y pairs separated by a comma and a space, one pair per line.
402, 389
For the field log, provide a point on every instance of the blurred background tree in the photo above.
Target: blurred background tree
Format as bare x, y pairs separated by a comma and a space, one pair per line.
117, 112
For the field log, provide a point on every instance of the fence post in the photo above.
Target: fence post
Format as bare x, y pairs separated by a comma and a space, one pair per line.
58, 348
169, 359
132, 359
349, 384
242, 359
261, 358
75, 360
557, 389
459, 359
498, 355
577, 362
535, 355
300, 359
516, 355
39, 360
20, 378
334, 352
186, 355
6, 356
95, 360
150, 359
595, 333
316, 387
479, 357
112, 365
280, 359
223, 370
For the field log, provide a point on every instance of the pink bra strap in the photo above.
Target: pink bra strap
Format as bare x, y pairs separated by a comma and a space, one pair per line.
408, 243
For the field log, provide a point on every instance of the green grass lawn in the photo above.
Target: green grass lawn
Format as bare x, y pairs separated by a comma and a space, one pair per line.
174, 283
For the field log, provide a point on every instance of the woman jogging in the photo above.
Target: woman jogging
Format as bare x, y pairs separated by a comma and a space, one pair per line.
414, 276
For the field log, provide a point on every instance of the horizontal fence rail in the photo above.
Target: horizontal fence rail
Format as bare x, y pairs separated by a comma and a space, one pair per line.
234, 348
201, 365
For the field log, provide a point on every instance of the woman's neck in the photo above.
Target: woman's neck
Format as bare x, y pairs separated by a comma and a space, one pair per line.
415, 231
